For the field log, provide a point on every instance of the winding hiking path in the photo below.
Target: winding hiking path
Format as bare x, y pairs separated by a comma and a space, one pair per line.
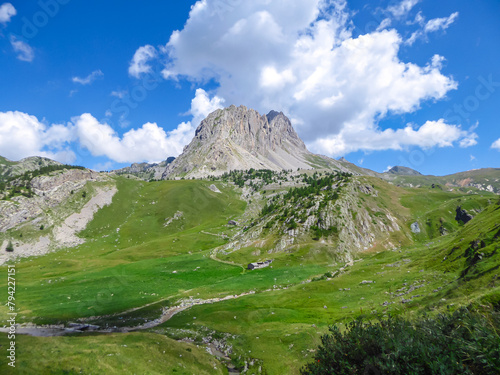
185, 304
213, 256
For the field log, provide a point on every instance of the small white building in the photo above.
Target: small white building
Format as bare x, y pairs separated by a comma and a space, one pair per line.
257, 265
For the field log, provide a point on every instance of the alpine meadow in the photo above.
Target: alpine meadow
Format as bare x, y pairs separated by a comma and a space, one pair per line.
328, 204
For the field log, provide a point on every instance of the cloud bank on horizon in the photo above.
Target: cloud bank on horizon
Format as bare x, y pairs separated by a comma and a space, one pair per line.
23, 135
302, 58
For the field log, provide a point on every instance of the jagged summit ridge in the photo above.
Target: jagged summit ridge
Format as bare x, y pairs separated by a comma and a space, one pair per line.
240, 138
246, 127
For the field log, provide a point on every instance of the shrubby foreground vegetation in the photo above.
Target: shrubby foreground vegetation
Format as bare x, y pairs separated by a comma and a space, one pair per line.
463, 342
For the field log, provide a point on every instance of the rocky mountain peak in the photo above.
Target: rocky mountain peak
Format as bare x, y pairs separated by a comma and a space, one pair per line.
403, 171
240, 138
249, 129
271, 115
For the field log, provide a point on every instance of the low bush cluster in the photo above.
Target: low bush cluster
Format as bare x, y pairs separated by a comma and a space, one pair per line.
463, 342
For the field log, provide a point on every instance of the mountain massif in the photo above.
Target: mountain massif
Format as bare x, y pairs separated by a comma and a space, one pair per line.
239, 138
237, 257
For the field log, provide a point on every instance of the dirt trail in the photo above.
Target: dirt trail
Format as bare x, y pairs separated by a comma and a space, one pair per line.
185, 304
213, 256
60, 330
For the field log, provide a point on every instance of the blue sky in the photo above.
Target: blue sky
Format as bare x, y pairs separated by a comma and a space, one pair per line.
383, 83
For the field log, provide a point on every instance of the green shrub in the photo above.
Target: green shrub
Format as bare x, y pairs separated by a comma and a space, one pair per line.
460, 343
238, 362
318, 232
10, 247
292, 224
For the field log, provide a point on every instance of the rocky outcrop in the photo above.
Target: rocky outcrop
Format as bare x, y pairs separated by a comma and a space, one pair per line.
462, 215
357, 228
214, 188
146, 171
49, 184
415, 228
239, 138
135, 168
177, 216
63, 234
50, 191
486, 179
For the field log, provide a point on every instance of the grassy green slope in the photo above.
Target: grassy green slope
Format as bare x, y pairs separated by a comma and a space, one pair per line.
4, 161
281, 328
132, 259
130, 256
136, 353
435, 210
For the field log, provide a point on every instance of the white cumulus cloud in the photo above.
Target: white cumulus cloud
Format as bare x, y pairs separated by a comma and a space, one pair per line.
469, 140
431, 134
202, 106
147, 143
440, 23
403, 8
23, 49
22, 135
139, 64
7, 11
88, 79
496, 144
430, 26
120, 94
150, 142
304, 60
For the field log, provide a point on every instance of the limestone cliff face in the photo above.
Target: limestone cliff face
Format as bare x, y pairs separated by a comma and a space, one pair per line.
239, 138
360, 221
51, 191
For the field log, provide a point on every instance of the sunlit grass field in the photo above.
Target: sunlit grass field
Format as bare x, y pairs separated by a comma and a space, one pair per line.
131, 258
